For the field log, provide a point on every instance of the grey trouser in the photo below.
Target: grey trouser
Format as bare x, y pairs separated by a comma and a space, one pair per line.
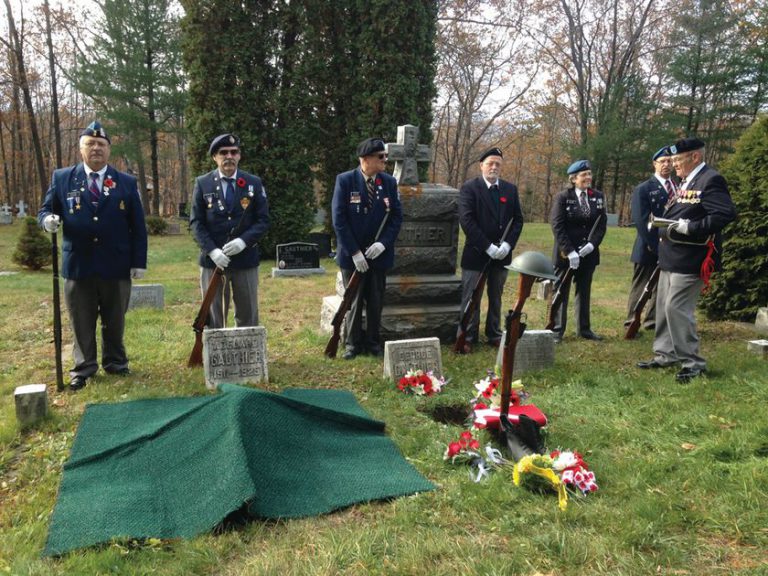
497, 277
676, 339
640, 276
370, 295
243, 285
87, 300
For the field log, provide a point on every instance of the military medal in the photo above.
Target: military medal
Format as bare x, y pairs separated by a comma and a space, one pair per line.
244, 203
221, 206
122, 205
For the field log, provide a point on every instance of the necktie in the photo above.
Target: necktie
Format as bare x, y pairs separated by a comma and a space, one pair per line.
495, 197
93, 188
670, 193
372, 195
229, 195
584, 204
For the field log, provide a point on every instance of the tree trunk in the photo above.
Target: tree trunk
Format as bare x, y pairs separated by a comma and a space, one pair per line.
54, 89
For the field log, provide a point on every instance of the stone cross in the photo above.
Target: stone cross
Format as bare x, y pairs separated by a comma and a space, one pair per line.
406, 153
5, 210
22, 206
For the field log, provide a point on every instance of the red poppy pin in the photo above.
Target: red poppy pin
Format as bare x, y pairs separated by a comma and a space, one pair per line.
503, 199
378, 181
109, 183
590, 193
241, 182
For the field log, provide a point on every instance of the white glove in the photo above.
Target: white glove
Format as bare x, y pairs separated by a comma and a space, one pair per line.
51, 223
492, 251
360, 262
219, 258
503, 251
681, 226
138, 273
573, 260
233, 247
588, 248
375, 250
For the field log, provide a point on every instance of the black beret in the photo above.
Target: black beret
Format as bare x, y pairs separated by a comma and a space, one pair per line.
370, 146
662, 152
491, 152
579, 166
221, 141
686, 145
96, 130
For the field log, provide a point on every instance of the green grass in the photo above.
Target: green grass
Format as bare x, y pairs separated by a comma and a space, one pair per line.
681, 468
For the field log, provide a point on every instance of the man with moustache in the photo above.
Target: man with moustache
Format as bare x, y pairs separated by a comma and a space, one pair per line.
486, 205
688, 254
362, 199
648, 198
219, 201
104, 248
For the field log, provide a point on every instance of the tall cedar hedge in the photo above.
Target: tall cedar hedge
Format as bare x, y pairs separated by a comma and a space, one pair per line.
742, 286
302, 83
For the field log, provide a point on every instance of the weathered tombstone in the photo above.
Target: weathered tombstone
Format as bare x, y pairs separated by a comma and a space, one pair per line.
535, 351
414, 354
761, 321
423, 292
298, 259
22, 206
174, 228
758, 347
612, 219
31, 403
544, 290
6, 214
235, 355
147, 296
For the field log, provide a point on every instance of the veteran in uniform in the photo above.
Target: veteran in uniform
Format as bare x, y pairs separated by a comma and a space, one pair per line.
104, 248
689, 252
487, 204
574, 213
648, 198
229, 216
362, 199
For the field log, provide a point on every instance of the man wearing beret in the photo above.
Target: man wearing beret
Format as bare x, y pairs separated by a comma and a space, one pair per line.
229, 216
688, 253
648, 198
578, 224
366, 217
487, 204
104, 248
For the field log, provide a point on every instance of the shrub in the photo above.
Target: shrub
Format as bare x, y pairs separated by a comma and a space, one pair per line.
34, 249
156, 226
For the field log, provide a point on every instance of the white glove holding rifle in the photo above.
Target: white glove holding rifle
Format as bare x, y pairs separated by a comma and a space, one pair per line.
503, 250
233, 247
574, 260
587, 249
361, 264
219, 258
492, 251
51, 223
375, 250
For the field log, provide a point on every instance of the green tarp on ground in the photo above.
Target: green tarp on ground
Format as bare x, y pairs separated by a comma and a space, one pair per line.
176, 467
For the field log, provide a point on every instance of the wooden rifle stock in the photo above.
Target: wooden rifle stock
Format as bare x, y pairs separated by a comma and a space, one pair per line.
350, 293
196, 356
510, 342
634, 326
56, 313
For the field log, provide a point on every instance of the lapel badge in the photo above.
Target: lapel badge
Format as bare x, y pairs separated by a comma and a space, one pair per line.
122, 204
244, 202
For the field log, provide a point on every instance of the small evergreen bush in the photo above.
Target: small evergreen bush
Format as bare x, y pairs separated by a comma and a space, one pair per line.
34, 249
156, 226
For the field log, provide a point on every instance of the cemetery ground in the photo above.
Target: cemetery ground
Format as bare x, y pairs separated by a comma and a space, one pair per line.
681, 468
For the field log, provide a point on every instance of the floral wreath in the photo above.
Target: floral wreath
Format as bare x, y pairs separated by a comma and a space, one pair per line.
421, 383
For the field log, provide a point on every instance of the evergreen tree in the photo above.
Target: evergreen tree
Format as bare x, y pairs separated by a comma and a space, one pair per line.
741, 287
34, 249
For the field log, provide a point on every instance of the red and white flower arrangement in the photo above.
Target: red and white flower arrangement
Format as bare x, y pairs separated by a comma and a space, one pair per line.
573, 471
558, 470
421, 383
468, 449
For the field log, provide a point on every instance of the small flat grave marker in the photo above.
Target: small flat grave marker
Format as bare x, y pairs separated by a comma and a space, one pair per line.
31, 403
147, 296
235, 355
414, 354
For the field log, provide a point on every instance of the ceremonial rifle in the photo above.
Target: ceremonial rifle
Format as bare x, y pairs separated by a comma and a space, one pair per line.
634, 326
196, 356
477, 295
564, 282
56, 312
350, 293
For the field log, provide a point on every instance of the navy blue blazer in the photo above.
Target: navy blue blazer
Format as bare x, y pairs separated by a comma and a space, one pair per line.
708, 206
356, 225
212, 222
105, 241
483, 223
571, 228
648, 198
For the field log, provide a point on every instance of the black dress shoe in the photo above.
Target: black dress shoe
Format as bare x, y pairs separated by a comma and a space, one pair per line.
77, 383
557, 338
377, 352
687, 374
590, 336
349, 354
119, 372
650, 364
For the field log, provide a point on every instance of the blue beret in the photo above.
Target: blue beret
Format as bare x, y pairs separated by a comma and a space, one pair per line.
491, 152
686, 145
662, 152
221, 141
370, 146
96, 130
578, 166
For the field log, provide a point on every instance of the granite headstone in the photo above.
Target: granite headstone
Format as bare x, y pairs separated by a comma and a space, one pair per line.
400, 356
298, 259
147, 296
235, 355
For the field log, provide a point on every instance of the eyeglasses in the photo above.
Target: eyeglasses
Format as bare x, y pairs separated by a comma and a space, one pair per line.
382, 156
229, 152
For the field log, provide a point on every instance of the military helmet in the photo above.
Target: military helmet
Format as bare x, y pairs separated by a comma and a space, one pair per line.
533, 264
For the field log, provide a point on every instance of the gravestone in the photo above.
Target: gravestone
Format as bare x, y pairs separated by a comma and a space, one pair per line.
758, 347
761, 321
544, 290
235, 355
414, 354
423, 291
31, 403
323, 241
535, 351
22, 206
6, 214
147, 296
298, 259
611, 219
174, 228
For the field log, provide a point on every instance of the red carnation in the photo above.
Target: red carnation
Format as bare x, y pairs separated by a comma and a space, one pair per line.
590, 193
480, 406
466, 435
453, 449
241, 182
474, 444
109, 183
378, 181
503, 199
